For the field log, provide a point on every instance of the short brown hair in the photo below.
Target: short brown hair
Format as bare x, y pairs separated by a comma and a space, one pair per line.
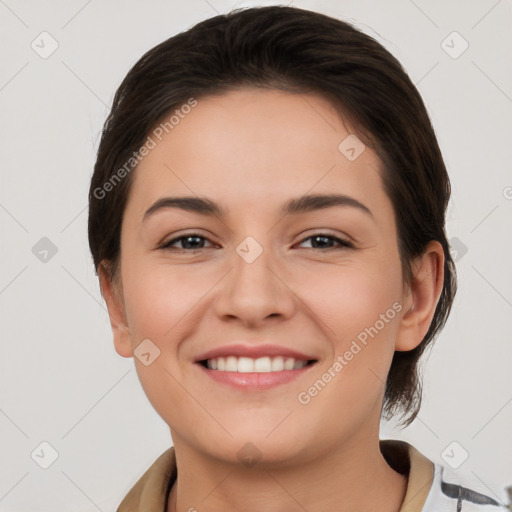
298, 51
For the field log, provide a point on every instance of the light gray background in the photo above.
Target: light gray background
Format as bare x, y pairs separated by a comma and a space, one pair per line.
63, 383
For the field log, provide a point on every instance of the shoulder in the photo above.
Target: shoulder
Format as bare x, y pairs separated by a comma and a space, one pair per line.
436, 487
462, 491
151, 490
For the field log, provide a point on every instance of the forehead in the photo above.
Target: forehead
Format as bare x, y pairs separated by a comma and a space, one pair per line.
254, 147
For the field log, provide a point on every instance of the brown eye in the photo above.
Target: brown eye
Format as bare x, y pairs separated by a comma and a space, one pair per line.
324, 241
188, 242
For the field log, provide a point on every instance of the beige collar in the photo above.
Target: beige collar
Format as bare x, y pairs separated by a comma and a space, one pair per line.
421, 476
150, 492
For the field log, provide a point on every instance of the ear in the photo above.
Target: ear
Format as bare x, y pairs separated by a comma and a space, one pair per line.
116, 312
421, 297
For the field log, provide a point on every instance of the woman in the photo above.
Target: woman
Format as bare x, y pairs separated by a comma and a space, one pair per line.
267, 222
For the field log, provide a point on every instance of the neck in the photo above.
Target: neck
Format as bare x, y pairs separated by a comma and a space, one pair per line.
353, 476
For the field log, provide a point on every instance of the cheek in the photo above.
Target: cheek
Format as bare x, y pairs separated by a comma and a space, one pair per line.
358, 313
350, 299
162, 304
162, 299
359, 309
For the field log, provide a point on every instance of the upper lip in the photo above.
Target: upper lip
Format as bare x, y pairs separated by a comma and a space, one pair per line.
253, 351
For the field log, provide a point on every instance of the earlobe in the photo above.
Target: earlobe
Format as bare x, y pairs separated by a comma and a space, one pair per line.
421, 300
120, 329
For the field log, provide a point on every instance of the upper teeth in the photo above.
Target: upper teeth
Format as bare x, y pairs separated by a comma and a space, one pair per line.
262, 364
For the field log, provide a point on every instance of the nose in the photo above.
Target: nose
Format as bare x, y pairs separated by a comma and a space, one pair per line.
255, 292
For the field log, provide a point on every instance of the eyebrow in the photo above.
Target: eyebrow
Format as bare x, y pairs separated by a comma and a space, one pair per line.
296, 206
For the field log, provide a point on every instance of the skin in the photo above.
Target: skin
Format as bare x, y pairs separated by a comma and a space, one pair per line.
251, 150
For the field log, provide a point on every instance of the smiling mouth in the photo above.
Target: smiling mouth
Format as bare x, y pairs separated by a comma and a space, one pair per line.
255, 365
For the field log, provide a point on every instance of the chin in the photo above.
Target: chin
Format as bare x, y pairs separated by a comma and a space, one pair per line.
254, 447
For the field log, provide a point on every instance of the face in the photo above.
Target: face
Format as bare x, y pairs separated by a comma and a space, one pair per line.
323, 284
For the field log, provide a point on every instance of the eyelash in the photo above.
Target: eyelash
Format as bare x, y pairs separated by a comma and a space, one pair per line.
343, 244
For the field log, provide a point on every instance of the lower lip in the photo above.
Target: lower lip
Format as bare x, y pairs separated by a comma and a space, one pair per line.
255, 380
